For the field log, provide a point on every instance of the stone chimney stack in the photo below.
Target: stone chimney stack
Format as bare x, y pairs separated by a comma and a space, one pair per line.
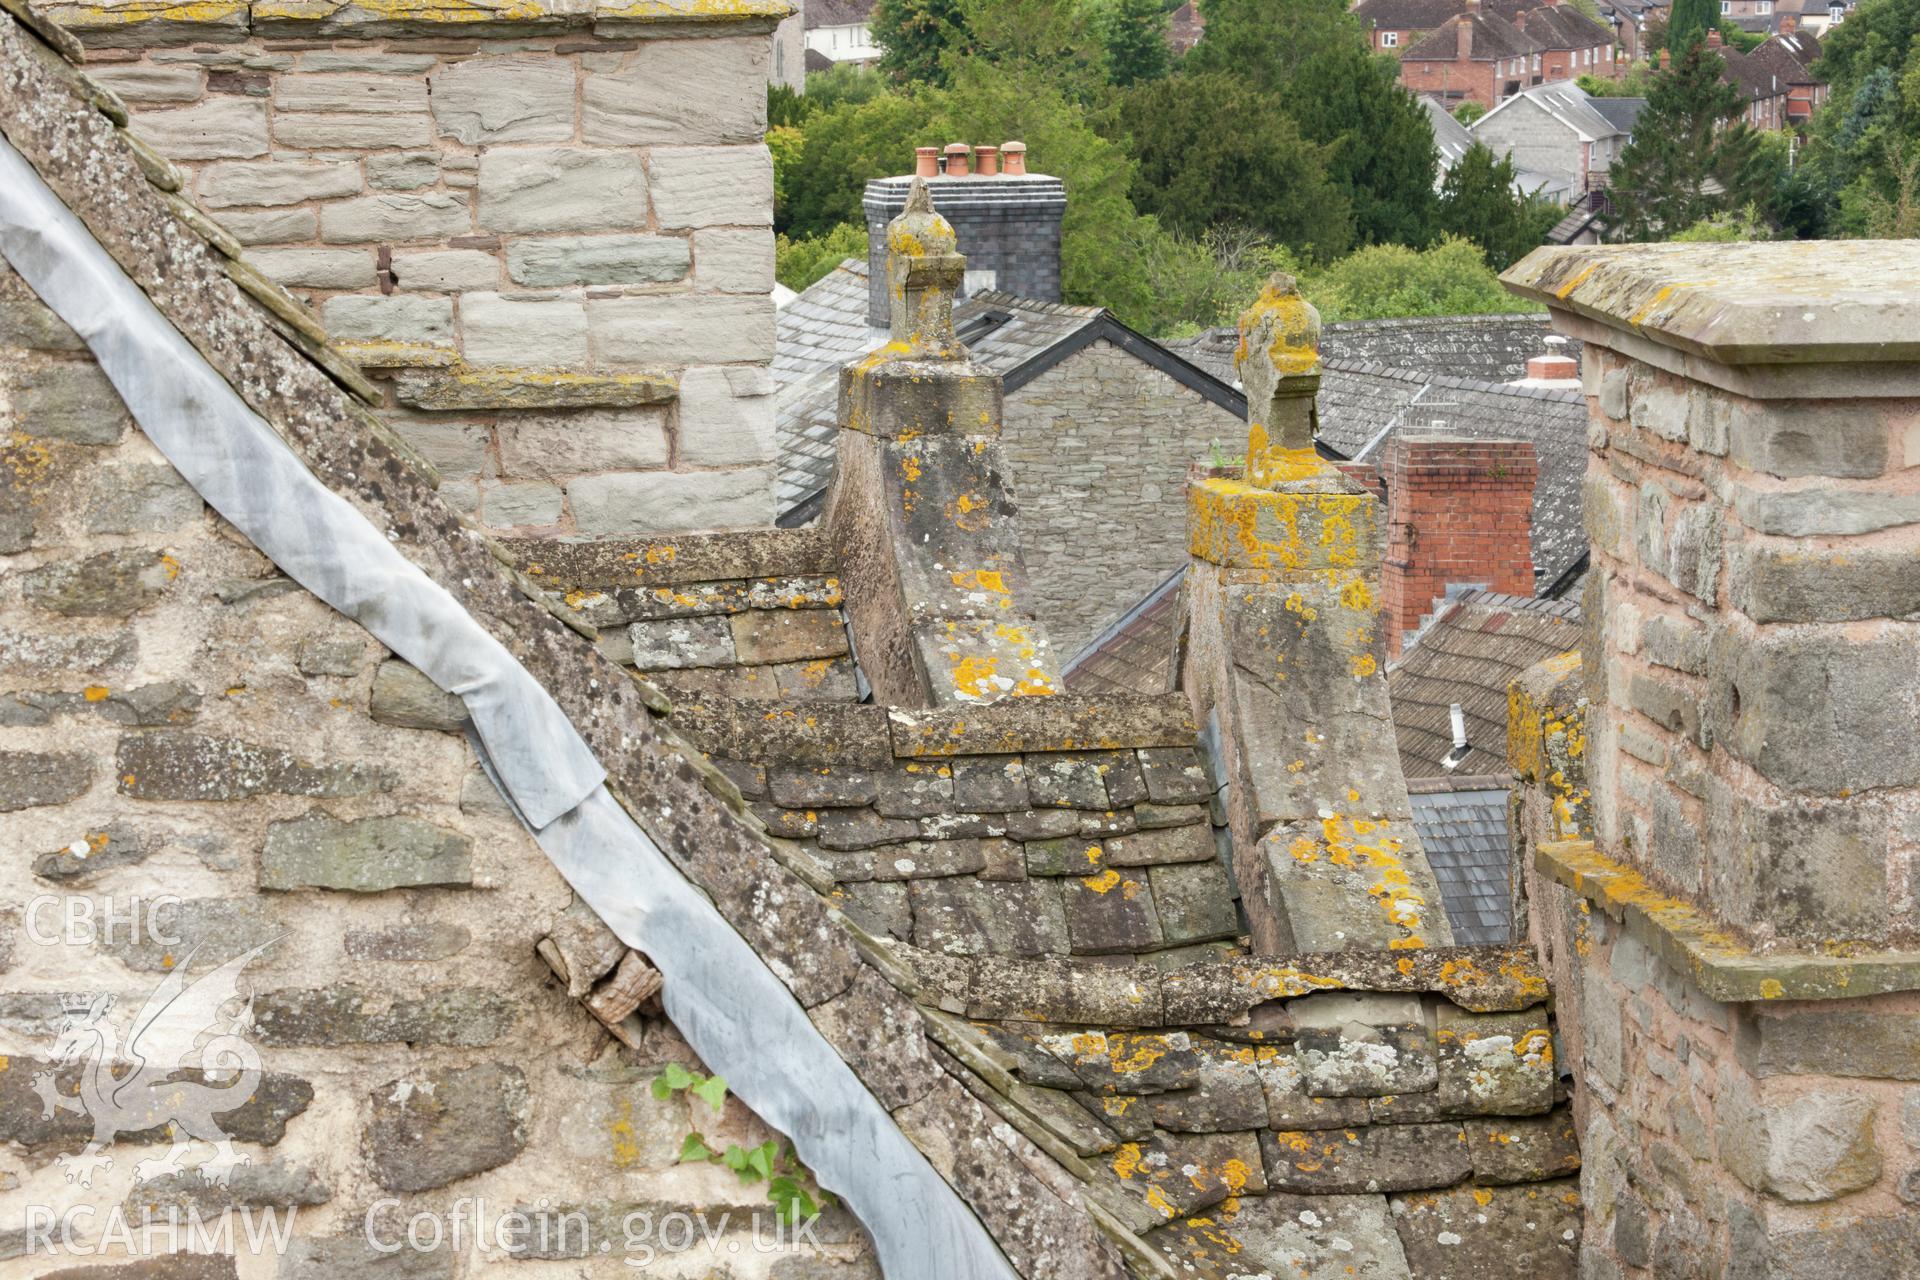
1007, 222
1459, 516
1750, 680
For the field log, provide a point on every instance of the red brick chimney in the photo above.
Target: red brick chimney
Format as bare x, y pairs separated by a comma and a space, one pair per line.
1789, 23
1459, 515
1713, 37
1463, 31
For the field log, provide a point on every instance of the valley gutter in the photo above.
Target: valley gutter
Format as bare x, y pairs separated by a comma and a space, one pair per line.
731, 1008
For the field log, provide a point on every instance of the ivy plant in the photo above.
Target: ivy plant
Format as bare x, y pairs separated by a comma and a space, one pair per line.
772, 1162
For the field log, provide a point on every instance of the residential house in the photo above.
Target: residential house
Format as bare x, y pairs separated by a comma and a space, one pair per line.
1628, 19
1451, 140
1395, 26
1764, 83
1572, 44
1185, 27
1561, 130
840, 31
790, 49
1474, 56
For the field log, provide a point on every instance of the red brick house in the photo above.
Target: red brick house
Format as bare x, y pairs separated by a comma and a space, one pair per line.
1776, 80
1474, 56
1395, 26
1573, 44
1789, 56
1186, 27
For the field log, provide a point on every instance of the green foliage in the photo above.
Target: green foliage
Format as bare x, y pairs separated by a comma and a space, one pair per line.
1195, 284
1270, 41
843, 83
799, 263
1057, 37
786, 144
1197, 170
914, 35
1688, 23
847, 145
1382, 154
1478, 203
1469, 111
787, 109
1690, 139
772, 1162
1134, 34
1636, 82
1726, 228
1450, 279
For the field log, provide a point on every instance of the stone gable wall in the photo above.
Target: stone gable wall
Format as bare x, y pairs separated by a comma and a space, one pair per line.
1099, 448
514, 230
186, 729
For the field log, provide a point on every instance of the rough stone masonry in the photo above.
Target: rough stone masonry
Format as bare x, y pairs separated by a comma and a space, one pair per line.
558, 258
1721, 792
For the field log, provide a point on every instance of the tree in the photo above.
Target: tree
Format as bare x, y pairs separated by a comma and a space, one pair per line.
1478, 203
1269, 41
1692, 154
1135, 35
844, 147
1450, 279
1468, 111
1381, 151
914, 34
1689, 22
1215, 152
799, 263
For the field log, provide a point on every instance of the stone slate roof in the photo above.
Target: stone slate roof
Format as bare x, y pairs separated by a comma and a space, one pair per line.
1468, 655
835, 13
1568, 103
1363, 405
1490, 348
1135, 653
1464, 831
1561, 27
1621, 113
1018, 338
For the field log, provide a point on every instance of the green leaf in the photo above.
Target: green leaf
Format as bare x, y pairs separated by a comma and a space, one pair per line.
791, 1202
735, 1158
694, 1149
760, 1159
712, 1091
677, 1076
661, 1089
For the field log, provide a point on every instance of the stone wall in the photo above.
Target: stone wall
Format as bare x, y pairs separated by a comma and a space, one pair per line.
1719, 796
1099, 447
553, 235
191, 738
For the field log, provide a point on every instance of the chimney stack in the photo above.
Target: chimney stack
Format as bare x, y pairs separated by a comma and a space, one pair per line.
1463, 31
1789, 23
1007, 222
1713, 37
1459, 516
1666, 59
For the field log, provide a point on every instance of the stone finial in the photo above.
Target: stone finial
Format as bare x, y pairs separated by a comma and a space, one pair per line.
924, 270
1279, 364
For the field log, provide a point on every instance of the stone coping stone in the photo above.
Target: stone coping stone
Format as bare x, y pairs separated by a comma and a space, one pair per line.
1060, 722
1720, 964
672, 560
1785, 302
754, 731
150, 23
1213, 993
507, 388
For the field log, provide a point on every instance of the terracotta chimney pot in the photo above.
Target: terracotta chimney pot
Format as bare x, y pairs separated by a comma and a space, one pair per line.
986, 161
957, 159
1713, 37
926, 162
1013, 159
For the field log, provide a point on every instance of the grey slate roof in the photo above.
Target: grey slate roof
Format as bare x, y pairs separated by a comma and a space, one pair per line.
1450, 137
835, 13
1491, 348
1566, 102
1465, 835
825, 327
1468, 655
1621, 113
1493, 37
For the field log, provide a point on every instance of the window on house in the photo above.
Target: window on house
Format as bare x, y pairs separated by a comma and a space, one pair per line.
1726, 7
1536, 62
1765, 6
1388, 39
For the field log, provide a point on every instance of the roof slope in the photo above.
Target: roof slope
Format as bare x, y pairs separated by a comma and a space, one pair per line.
1491, 37
1489, 348
1464, 831
1566, 102
1468, 655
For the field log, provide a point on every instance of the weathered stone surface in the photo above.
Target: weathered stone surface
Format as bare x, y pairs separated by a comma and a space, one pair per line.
32, 778
271, 226
1229, 1098
441, 1125
712, 186
558, 447
464, 1016
320, 269
1834, 1041
1523, 1149
1066, 781
962, 916
1394, 1157
213, 130
275, 182
915, 789
879, 1033
211, 930
1782, 582
1349, 1237
1184, 1175
137, 83
446, 270
193, 766
1487, 1233
628, 259
1165, 845
489, 100
681, 642
821, 786
403, 696
534, 332
762, 635
652, 331
140, 497
1811, 1146
989, 784
366, 855
1357, 1060
1495, 1064
350, 1257
260, 1116
561, 189
1790, 440
317, 131
429, 940
1194, 901
1110, 911
651, 502
275, 1182
394, 216
403, 171
368, 318
642, 102
525, 505
70, 401
1174, 775
734, 260
178, 1266
109, 584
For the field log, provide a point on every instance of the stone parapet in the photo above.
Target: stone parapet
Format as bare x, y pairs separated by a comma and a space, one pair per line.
1718, 800
544, 230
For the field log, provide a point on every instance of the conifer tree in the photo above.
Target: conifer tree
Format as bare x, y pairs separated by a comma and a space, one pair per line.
1692, 154
1135, 34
